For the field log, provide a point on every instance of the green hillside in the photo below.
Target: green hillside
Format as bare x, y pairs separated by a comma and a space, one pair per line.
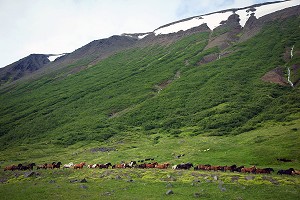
157, 89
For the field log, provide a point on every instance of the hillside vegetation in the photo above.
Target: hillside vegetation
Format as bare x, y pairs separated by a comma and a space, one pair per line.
157, 89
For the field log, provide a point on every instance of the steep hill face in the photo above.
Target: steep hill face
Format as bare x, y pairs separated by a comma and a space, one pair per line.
172, 81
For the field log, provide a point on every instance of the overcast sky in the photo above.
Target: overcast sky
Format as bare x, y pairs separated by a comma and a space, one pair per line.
61, 26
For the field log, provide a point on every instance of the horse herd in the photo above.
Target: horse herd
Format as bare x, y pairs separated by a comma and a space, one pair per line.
134, 164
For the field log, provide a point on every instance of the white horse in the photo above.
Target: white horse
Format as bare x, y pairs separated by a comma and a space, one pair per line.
68, 165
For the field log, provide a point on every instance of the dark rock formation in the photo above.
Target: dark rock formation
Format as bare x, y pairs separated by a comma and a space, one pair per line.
23, 67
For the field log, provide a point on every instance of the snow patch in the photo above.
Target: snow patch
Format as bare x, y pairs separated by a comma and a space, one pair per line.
213, 20
142, 36
52, 57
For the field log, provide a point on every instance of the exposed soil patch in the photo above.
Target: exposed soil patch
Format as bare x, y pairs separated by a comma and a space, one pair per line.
276, 76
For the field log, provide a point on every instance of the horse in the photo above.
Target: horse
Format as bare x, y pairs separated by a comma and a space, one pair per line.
27, 167
43, 166
79, 166
216, 168
162, 166
141, 166
239, 169
297, 172
185, 166
132, 164
202, 167
249, 170
50, 166
231, 168
122, 165
68, 165
106, 165
93, 166
264, 170
57, 165
11, 167
289, 171
151, 165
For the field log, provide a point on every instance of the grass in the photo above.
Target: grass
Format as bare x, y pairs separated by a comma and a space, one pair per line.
137, 183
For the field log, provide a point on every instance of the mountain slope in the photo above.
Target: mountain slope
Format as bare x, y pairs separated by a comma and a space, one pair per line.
158, 89
190, 82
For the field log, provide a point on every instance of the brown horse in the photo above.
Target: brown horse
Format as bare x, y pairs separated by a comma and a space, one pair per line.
79, 166
11, 167
50, 166
44, 166
202, 167
151, 165
249, 170
122, 165
162, 166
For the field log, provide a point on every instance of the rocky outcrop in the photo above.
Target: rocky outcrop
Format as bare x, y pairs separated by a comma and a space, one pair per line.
253, 25
227, 33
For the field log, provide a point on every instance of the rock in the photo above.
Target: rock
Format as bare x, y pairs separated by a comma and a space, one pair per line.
130, 180
249, 178
52, 181
118, 177
29, 174
169, 192
74, 181
83, 186
197, 195
234, 178
83, 181
169, 185
3, 180
216, 178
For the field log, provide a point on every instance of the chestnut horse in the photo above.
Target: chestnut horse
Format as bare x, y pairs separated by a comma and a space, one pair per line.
50, 166
12, 167
202, 167
122, 165
162, 166
151, 165
249, 170
79, 166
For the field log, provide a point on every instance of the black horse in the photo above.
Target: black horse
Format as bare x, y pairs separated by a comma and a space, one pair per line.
184, 166
288, 171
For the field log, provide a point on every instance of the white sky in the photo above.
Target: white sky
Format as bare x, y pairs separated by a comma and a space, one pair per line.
61, 26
